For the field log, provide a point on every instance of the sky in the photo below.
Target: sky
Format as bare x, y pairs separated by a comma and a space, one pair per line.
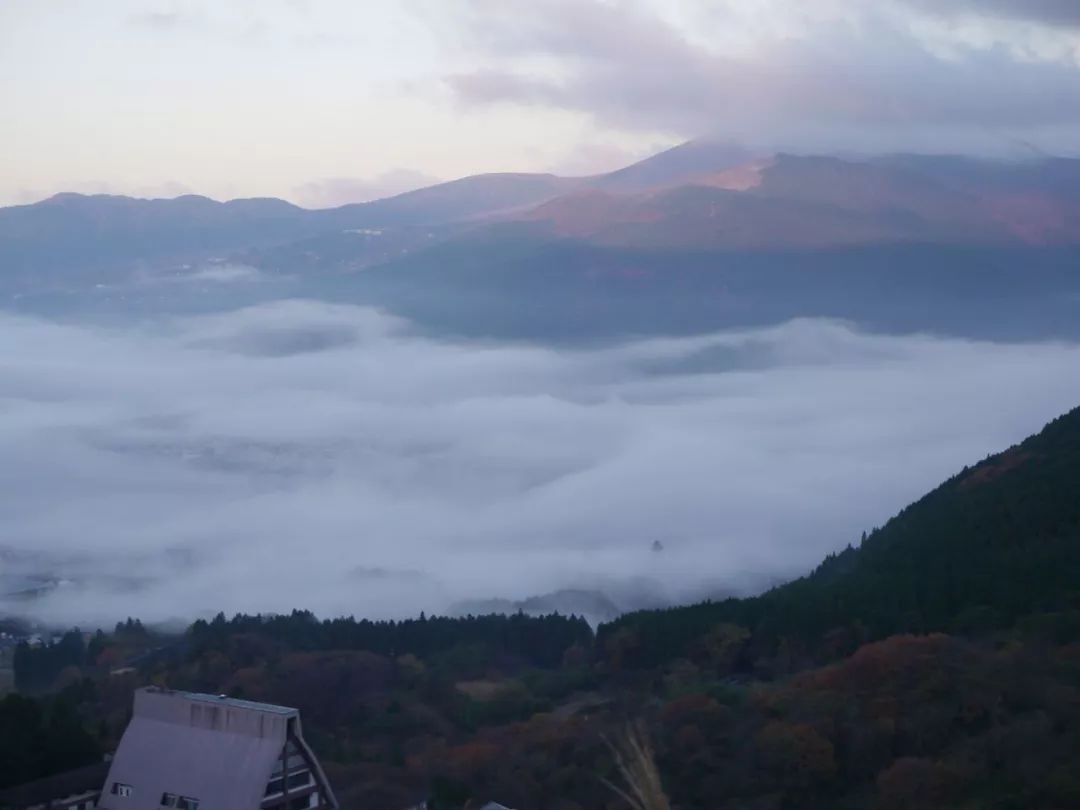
330, 101
330, 457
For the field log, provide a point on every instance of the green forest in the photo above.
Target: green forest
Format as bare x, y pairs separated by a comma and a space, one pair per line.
934, 664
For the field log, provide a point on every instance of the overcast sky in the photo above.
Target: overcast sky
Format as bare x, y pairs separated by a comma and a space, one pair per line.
324, 101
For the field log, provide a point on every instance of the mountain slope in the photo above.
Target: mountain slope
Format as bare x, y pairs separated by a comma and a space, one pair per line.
800, 202
457, 200
995, 544
674, 166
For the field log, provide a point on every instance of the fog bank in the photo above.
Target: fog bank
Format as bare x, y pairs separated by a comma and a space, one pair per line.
304, 454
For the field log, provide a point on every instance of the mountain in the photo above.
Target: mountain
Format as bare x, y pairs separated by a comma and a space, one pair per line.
354, 237
75, 231
995, 545
800, 202
697, 196
703, 236
458, 200
675, 166
907, 243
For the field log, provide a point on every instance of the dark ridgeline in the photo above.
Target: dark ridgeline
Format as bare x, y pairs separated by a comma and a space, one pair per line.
38, 667
538, 641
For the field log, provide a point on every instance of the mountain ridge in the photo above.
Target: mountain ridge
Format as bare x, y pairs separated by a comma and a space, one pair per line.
695, 195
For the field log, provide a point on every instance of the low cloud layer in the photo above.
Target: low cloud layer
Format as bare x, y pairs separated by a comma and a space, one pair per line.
302, 454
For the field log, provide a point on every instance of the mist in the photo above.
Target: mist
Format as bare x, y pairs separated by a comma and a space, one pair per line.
301, 454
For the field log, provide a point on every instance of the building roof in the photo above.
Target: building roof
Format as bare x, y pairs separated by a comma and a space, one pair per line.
218, 750
222, 700
70, 783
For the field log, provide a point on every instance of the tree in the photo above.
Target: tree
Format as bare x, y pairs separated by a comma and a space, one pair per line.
796, 755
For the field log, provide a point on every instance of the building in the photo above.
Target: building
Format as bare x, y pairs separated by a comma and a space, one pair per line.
204, 752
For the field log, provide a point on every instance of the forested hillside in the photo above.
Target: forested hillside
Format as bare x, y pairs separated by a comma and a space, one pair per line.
998, 542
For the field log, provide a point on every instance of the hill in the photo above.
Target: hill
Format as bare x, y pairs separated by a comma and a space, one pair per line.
996, 543
76, 230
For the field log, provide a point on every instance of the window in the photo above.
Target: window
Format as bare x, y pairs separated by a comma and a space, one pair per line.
296, 780
299, 779
295, 761
120, 789
187, 803
169, 799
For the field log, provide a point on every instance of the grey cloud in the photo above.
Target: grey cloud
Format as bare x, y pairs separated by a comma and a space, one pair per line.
865, 74
170, 20
232, 462
1048, 12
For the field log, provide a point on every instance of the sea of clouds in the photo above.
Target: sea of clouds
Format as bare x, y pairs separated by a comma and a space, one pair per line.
306, 454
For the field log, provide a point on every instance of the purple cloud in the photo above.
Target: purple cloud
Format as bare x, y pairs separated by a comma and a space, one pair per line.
632, 70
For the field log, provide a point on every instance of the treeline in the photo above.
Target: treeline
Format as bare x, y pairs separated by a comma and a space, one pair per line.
539, 641
40, 737
996, 544
39, 667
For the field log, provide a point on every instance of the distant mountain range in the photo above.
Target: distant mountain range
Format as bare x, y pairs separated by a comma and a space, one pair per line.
703, 224
698, 195
823, 202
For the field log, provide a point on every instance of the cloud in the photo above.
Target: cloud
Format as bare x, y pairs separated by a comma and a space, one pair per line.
172, 19
597, 157
334, 191
157, 19
275, 456
1047, 12
851, 77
